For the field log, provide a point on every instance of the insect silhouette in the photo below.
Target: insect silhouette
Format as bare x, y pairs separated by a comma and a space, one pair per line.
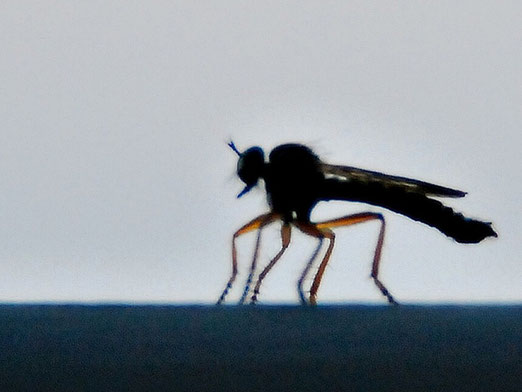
296, 180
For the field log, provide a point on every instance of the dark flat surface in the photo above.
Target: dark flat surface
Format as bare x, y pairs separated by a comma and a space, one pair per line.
292, 348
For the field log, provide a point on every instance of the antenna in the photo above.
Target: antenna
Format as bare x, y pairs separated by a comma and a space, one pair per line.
233, 147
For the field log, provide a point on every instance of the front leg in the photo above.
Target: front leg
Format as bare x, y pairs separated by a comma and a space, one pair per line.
256, 223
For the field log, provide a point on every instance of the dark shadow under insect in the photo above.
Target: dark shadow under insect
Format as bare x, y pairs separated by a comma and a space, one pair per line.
296, 180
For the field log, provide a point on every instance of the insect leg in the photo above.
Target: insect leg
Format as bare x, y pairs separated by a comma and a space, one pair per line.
285, 239
305, 272
351, 220
264, 222
254, 224
314, 231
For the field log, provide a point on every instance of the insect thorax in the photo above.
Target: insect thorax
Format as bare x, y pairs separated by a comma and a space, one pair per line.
293, 179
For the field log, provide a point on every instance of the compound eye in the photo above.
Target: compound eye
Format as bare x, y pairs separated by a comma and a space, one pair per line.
250, 165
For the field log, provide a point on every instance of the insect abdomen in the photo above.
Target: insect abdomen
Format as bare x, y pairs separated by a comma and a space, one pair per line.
413, 205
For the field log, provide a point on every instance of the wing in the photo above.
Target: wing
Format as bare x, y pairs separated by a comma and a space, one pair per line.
361, 176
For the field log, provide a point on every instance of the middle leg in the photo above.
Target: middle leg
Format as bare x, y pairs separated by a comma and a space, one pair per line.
312, 230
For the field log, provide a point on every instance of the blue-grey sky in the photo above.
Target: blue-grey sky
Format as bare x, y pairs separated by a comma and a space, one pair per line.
117, 184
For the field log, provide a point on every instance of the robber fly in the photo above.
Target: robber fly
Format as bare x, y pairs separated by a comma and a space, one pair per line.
296, 180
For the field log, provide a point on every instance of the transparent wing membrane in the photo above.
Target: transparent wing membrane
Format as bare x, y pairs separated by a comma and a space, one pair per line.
349, 173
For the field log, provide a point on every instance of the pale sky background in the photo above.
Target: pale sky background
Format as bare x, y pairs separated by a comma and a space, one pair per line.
117, 184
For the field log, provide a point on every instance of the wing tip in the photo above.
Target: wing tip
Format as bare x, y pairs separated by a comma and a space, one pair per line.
460, 193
